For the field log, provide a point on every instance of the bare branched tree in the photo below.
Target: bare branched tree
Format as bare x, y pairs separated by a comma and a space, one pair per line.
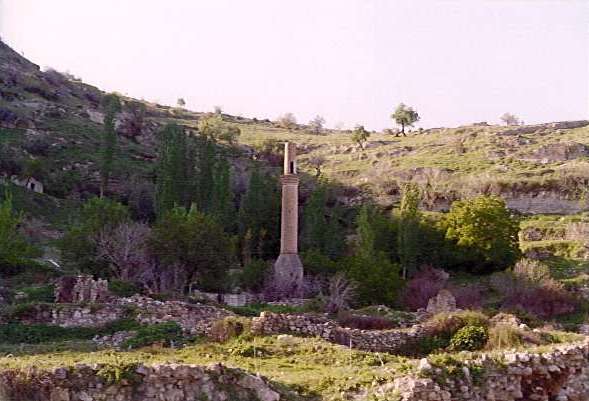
125, 249
317, 162
341, 293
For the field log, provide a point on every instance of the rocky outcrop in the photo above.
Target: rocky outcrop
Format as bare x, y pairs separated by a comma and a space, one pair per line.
168, 382
561, 374
397, 341
558, 152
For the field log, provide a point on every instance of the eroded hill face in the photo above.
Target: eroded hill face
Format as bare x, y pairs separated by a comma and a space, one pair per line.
57, 119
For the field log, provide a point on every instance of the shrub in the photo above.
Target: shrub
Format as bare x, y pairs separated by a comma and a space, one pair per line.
168, 334
469, 338
529, 287
253, 275
446, 325
39, 294
467, 296
228, 328
504, 336
363, 322
122, 288
424, 285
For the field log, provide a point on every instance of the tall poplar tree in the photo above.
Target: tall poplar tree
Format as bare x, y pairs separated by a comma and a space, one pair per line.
172, 182
408, 235
223, 208
112, 106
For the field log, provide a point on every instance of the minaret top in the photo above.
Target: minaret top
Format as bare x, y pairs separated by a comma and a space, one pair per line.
290, 158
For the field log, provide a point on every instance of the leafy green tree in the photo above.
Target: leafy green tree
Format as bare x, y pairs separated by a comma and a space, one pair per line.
112, 106
376, 232
509, 119
196, 245
223, 208
14, 248
409, 230
321, 230
259, 213
405, 117
377, 277
174, 168
360, 135
288, 121
181, 102
316, 124
485, 232
78, 248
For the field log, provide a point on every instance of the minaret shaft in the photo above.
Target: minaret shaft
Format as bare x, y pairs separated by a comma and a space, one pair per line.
288, 269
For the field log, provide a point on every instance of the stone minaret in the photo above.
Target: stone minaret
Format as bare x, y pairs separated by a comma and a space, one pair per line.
288, 269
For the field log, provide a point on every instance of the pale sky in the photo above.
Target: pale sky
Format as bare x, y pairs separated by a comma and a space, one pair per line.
351, 61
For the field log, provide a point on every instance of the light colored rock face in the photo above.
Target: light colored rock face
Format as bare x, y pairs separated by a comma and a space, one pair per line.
168, 382
443, 302
561, 374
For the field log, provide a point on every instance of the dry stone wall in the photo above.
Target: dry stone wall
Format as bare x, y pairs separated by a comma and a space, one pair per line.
138, 383
193, 318
558, 375
399, 341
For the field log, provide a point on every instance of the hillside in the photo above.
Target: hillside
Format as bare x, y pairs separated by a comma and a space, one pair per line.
57, 119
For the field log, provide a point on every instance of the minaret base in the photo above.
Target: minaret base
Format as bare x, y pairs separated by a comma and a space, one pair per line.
288, 276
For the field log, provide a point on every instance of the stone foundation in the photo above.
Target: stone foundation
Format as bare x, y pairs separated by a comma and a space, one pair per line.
396, 341
137, 383
81, 289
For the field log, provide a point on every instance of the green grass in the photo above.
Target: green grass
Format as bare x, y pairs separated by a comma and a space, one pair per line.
313, 367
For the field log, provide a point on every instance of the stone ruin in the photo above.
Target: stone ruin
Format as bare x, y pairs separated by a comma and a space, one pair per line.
81, 289
443, 302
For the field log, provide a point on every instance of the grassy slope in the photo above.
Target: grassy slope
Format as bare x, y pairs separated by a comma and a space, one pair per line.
312, 367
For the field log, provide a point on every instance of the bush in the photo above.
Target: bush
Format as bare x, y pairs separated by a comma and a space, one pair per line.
364, 322
168, 334
230, 327
44, 293
529, 287
469, 338
424, 285
17, 333
467, 296
253, 275
446, 325
122, 288
504, 336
